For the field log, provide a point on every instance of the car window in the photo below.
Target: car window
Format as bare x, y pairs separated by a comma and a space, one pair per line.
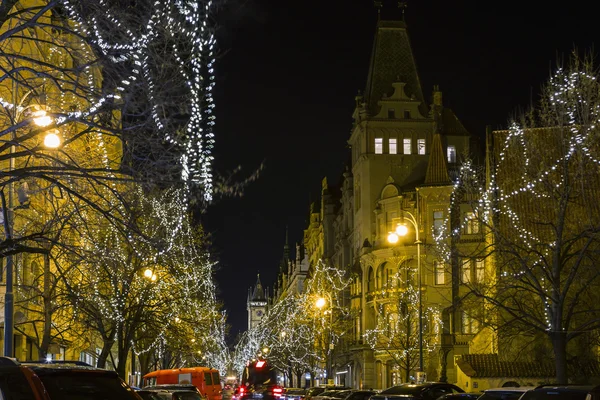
208, 378
340, 394
14, 385
66, 385
215, 378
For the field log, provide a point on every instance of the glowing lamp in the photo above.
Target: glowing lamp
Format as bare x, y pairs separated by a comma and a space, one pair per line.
40, 118
260, 364
148, 273
51, 140
320, 302
401, 230
393, 238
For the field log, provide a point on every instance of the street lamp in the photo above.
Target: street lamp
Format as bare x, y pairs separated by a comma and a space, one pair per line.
320, 304
52, 140
393, 237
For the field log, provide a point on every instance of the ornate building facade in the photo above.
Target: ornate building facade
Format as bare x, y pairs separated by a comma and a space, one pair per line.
404, 152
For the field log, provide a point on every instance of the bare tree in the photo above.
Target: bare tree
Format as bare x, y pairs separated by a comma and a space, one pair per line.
538, 215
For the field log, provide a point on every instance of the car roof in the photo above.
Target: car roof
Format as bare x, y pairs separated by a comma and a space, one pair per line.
511, 389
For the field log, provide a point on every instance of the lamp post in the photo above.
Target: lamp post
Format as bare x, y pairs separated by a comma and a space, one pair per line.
52, 140
320, 304
393, 237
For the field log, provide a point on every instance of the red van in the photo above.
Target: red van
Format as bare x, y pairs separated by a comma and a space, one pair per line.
206, 379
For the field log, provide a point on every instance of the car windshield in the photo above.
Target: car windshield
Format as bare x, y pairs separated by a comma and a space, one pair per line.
295, 391
404, 389
314, 391
75, 385
501, 395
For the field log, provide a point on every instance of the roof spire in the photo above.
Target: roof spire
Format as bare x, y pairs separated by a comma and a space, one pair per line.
402, 6
378, 5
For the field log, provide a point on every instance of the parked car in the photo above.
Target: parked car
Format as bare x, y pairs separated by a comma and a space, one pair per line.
174, 386
336, 394
505, 393
148, 395
460, 396
558, 392
164, 394
358, 394
60, 380
422, 391
294, 394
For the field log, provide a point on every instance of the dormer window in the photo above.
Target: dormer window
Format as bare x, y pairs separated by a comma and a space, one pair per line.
391, 113
406, 114
451, 154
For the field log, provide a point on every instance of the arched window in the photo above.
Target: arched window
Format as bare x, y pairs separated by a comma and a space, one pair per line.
380, 276
370, 280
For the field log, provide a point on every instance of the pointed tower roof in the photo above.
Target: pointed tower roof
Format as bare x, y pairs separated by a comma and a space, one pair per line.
259, 292
392, 61
437, 169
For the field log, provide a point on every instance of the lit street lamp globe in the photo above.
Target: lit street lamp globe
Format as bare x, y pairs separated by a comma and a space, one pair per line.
393, 238
51, 140
401, 230
320, 302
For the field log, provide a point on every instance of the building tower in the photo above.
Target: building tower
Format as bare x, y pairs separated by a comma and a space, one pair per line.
257, 304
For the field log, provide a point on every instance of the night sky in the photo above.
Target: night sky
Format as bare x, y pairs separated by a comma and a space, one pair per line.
286, 78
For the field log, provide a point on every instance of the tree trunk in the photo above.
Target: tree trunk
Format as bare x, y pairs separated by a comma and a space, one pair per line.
559, 345
47, 299
123, 346
106, 346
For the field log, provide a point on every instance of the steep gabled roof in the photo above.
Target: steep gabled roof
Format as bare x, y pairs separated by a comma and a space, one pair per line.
392, 61
437, 169
259, 292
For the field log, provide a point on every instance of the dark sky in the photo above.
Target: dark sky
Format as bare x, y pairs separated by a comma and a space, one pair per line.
286, 80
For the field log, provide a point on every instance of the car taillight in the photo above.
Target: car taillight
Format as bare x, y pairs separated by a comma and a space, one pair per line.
277, 392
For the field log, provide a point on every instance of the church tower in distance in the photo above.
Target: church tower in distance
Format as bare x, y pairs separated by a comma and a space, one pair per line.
257, 304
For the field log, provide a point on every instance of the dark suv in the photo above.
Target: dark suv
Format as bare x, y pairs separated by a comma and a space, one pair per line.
423, 391
60, 381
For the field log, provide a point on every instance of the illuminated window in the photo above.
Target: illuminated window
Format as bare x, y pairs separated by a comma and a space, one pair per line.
451, 154
421, 146
469, 324
393, 146
391, 113
479, 270
471, 223
440, 275
378, 146
438, 222
407, 146
466, 270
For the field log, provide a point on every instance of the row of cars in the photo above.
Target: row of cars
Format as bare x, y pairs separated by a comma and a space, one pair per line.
446, 391
73, 380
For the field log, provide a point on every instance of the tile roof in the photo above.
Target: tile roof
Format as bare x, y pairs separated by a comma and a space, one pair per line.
392, 61
490, 366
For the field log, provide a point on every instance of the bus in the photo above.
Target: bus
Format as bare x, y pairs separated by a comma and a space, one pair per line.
259, 381
206, 379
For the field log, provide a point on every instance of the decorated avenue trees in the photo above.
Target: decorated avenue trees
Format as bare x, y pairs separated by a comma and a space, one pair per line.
538, 212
